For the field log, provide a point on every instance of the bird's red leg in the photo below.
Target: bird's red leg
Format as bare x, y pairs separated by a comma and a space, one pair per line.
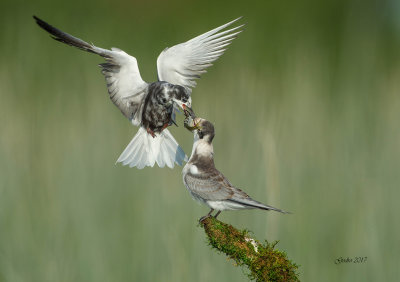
164, 126
151, 132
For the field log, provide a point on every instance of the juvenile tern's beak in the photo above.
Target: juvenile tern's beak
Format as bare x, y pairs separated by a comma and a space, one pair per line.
192, 123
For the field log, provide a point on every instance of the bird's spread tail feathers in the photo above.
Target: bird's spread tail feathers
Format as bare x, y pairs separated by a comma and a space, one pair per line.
144, 150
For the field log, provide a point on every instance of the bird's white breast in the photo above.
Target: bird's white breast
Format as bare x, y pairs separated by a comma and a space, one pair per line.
194, 170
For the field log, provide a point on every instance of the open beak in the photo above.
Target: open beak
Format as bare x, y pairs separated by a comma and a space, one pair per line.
191, 123
188, 111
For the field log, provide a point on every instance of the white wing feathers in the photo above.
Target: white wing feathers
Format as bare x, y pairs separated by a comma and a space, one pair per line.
185, 62
180, 65
125, 85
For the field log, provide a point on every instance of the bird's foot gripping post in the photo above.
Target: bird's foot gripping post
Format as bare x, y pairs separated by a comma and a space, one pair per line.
263, 260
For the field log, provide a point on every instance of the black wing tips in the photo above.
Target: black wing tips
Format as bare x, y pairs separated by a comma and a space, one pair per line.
40, 22
63, 37
57, 34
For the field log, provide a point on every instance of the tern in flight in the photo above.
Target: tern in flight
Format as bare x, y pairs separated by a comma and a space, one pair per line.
152, 106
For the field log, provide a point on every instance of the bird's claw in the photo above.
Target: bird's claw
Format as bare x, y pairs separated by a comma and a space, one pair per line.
204, 218
164, 126
151, 132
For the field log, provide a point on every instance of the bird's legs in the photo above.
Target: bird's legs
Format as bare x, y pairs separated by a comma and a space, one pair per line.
165, 126
151, 132
206, 216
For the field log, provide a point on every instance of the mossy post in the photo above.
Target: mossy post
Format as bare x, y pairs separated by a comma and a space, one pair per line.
263, 260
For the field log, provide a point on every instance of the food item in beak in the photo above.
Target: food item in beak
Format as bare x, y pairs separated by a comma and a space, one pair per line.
190, 123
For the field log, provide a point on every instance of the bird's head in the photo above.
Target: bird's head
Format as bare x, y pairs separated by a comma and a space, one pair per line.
201, 127
181, 96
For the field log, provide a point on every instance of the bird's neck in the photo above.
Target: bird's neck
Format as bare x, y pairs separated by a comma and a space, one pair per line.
202, 148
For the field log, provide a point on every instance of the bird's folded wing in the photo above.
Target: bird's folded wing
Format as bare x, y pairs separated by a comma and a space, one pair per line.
125, 85
185, 62
211, 185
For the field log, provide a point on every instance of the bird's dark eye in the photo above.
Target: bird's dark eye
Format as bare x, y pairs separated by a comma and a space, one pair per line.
184, 100
201, 135
164, 100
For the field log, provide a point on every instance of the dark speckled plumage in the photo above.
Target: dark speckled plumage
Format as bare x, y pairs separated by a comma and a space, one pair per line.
158, 105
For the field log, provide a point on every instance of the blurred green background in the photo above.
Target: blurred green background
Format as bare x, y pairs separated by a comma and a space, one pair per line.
306, 108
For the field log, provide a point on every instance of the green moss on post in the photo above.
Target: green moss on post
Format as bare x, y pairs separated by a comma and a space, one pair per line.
263, 260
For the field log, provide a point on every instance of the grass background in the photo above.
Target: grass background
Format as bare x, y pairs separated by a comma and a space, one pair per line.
306, 108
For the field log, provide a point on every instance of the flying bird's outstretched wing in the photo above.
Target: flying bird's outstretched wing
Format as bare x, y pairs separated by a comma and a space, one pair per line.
185, 62
125, 85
